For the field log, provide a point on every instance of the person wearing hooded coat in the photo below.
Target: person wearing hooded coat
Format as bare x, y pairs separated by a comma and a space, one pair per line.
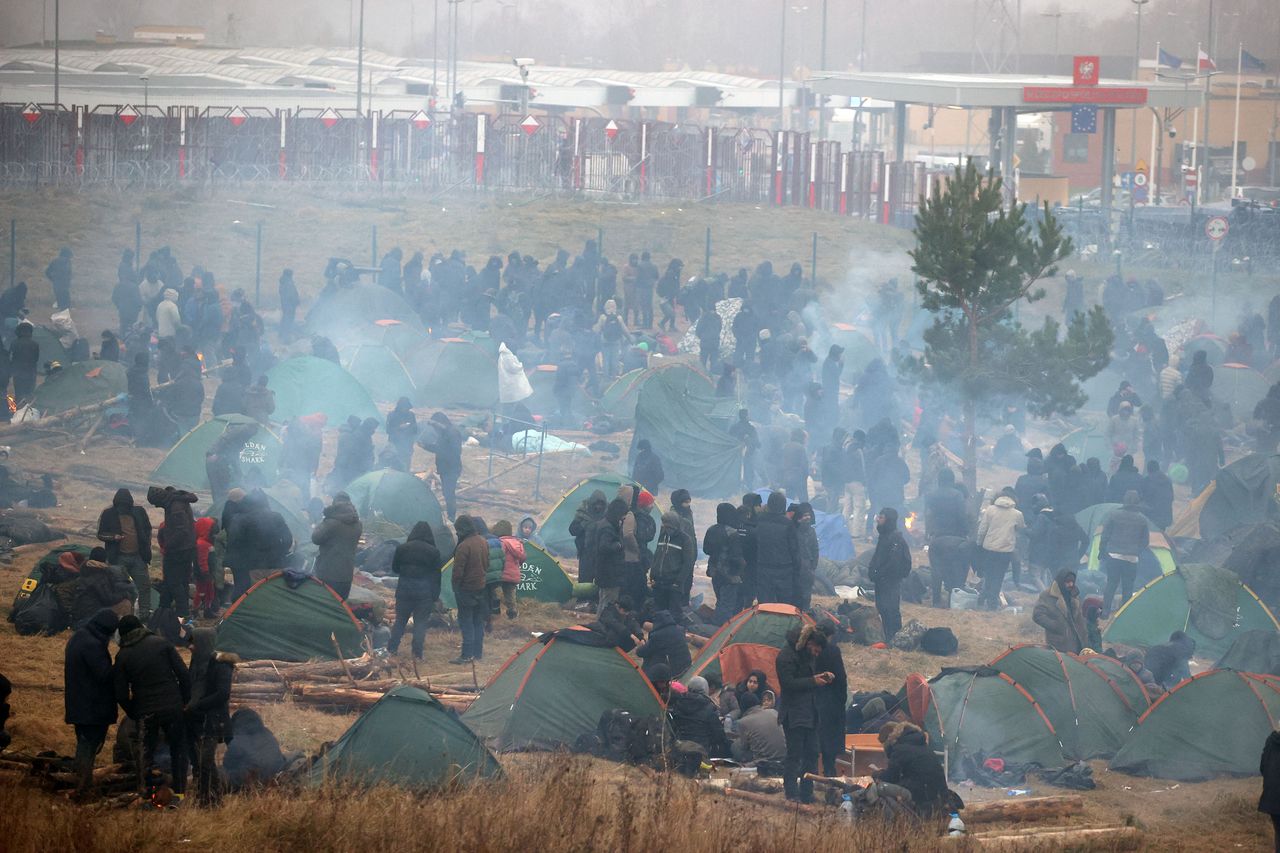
667, 569
100, 586
998, 529
470, 563
153, 685
807, 551
585, 519
777, 552
417, 564
1167, 662
1059, 613
890, 565
915, 766
694, 718
722, 544
608, 559
682, 505
798, 681
1125, 535
253, 755
946, 521
89, 692
337, 536
177, 540
125, 528
402, 430
832, 699
665, 644
447, 447
24, 360
647, 468
208, 713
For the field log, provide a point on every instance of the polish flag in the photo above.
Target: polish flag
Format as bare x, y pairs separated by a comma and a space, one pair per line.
1204, 63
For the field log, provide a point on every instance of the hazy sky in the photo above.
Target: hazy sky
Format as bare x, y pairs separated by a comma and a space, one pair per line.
742, 34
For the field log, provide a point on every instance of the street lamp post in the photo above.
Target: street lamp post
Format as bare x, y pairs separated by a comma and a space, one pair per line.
1137, 54
782, 67
146, 108
57, 53
822, 62
360, 65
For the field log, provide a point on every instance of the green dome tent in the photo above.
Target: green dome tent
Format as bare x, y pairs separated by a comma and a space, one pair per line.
1212, 724
401, 499
399, 336
380, 371
981, 713
681, 423
1090, 714
1088, 443
1214, 346
761, 624
184, 464
51, 348
1253, 651
407, 739
1208, 603
355, 307
1121, 678
1094, 518
298, 526
1244, 492
542, 379
277, 620
551, 693
453, 372
555, 529
81, 384
620, 398
306, 385
1240, 387
542, 578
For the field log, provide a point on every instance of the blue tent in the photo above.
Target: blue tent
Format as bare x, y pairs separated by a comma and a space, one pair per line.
834, 541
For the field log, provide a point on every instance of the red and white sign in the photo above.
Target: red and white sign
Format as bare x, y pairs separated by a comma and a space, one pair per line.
611, 130
1086, 70
128, 115
530, 125
237, 116
329, 117
420, 120
1084, 95
1216, 228
31, 113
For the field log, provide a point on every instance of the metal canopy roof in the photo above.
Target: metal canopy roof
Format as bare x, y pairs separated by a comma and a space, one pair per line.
989, 90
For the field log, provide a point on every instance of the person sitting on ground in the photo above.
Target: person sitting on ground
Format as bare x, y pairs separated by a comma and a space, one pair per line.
665, 644
1134, 662
694, 718
1058, 612
1168, 662
253, 756
1092, 607
731, 700
616, 624
916, 767
760, 739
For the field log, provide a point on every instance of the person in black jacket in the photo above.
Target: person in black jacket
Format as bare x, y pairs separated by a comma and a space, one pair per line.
914, 766
417, 562
608, 559
448, 450
24, 359
585, 520
647, 468
831, 700
153, 687
1269, 767
1156, 491
665, 644
947, 524
208, 712
668, 567
100, 586
725, 563
777, 552
799, 680
178, 542
616, 624
402, 430
890, 566
694, 718
125, 528
253, 756
89, 692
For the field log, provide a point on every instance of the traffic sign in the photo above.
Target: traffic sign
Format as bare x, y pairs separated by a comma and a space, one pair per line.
31, 113
237, 116
1216, 228
128, 115
1140, 179
1126, 180
611, 130
329, 117
420, 120
530, 125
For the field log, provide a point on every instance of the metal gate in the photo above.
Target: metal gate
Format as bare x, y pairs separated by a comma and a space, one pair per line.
326, 145
233, 144
35, 143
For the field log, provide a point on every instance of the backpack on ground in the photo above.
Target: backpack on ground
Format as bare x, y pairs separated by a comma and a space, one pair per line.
939, 641
614, 734
39, 612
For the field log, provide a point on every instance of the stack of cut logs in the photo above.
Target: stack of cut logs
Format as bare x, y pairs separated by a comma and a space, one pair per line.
344, 685
54, 773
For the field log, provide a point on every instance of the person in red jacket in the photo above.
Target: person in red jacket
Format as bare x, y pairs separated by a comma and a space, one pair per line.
206, 597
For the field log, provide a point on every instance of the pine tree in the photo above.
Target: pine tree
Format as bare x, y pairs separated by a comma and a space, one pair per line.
975, 261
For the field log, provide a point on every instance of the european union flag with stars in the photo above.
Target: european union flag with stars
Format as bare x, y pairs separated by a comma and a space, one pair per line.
1084, 118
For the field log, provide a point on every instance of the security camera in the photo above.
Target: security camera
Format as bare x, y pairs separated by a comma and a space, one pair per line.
522, 61
1173, 133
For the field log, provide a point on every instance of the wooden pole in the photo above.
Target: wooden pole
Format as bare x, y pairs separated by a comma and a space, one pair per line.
1024, 809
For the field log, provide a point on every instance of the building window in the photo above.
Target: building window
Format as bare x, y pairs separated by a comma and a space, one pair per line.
1075, 148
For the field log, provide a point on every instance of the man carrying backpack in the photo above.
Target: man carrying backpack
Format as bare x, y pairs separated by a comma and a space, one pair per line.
612, 332
125, 529
669, 563
178, 542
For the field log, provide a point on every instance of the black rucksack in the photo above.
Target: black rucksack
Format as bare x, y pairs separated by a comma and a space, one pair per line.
38, 612
611, 332
646, 527
614, 734
939, 641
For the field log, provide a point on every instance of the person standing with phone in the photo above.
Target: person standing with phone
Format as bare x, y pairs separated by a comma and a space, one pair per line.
798, 714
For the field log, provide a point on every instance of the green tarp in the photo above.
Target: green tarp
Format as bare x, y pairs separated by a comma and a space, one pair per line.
1240, 387
355, 307
1091, 717
1123, 679
1245, 492
51, 348
697, 453
402, 500
407, 739
1213, 724
1254, 651
542, 578
184, 465
762, 624
1213, 346
620, 398
982, 713
274, 621
549, 695
453, 372
398, 336
1210, 604
81, 384
306, 385
555, 528
380, 371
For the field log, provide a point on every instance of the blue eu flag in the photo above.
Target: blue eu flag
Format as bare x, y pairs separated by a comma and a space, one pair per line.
1084, 118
